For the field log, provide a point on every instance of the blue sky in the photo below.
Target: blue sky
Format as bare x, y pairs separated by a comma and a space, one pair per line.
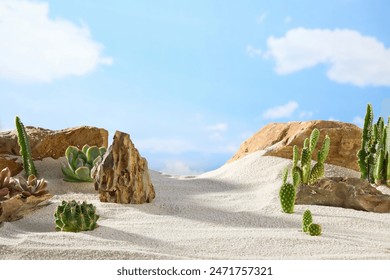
191, 80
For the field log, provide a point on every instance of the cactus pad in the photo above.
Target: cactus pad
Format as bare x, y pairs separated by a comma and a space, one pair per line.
287, 197
315, 229
307, 220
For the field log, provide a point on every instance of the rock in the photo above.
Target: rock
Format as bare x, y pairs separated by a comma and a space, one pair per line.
53, 143
278, 140
123, 175
351, 193
14, 163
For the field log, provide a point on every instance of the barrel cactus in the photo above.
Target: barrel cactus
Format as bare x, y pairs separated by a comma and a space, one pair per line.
315, 229
74, 217
287, 192
307, 220
80, 162
310, 175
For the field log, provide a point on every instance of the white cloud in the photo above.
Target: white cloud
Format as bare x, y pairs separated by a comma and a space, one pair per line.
39, 49
252, 51
287, 19
359, 121
217, 131
177, 167
352, 58
260, 19
283, 111
305, 114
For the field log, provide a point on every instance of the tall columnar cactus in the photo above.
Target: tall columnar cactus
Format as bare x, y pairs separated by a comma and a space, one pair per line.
73, 216
315, 229
308, 174
79, 163
374, 155
287, 192
25, 149
307, 220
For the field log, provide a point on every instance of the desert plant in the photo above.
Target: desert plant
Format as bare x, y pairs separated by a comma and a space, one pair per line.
374, 155
307, 220
287, 192
80, 162
309, 175
6, 183
25, 149
315, 229
30, 187
73, 216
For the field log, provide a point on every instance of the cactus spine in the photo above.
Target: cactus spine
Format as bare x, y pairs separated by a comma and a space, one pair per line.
73, 216
25, 149
287, 192
315, 229
308, 174
307, 220
374, 155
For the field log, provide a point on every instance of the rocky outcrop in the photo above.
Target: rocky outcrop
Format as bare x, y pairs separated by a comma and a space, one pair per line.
53, 143
123, 175
351, 193
278, 140
14, 163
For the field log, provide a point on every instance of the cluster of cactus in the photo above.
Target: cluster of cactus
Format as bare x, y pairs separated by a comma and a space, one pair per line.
80, 162
10, 187
308, 226
374, 155
309, 175
73, 216
25, 149
287, 192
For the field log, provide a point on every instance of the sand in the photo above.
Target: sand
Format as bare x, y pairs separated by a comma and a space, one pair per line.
230, 213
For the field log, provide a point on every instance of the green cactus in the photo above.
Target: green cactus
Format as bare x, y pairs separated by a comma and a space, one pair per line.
287, 192
73, 216
315, 229
25, 149
307, 220
79, 163
308, 174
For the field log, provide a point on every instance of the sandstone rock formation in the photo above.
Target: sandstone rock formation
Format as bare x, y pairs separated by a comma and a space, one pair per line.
14, 163
53, 143
279, 138
123, 175
344, 192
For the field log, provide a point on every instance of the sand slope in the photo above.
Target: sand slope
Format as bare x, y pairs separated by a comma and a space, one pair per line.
229, 213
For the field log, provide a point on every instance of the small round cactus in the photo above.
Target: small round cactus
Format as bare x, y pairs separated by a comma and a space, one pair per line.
307, 220
75, 217
315, 229
287, 197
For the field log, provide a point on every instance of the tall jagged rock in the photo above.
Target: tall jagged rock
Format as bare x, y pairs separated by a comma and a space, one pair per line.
123, 175
278, 139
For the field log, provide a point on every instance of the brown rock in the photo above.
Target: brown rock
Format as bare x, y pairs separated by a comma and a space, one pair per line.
279, 138
53, 143
351, 193
123, 175
14, 163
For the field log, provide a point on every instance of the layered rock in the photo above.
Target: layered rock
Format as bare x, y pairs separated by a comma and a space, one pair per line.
278, 140
351, 193
123, 175
53, 143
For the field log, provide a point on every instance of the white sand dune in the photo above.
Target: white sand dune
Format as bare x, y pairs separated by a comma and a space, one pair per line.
230, 213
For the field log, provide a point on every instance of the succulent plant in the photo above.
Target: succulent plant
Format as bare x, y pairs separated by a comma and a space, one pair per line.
309, 175
307, 220
25, 149
315, 229
287, 192
80, 162
73, 216
30, 187
6, 183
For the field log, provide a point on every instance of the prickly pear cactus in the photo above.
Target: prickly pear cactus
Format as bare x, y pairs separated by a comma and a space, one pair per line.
287, 194
315, 229
73, 216
307, 220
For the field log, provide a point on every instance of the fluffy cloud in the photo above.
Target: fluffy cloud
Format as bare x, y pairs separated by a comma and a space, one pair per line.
39, 49
352, 58
283, 111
